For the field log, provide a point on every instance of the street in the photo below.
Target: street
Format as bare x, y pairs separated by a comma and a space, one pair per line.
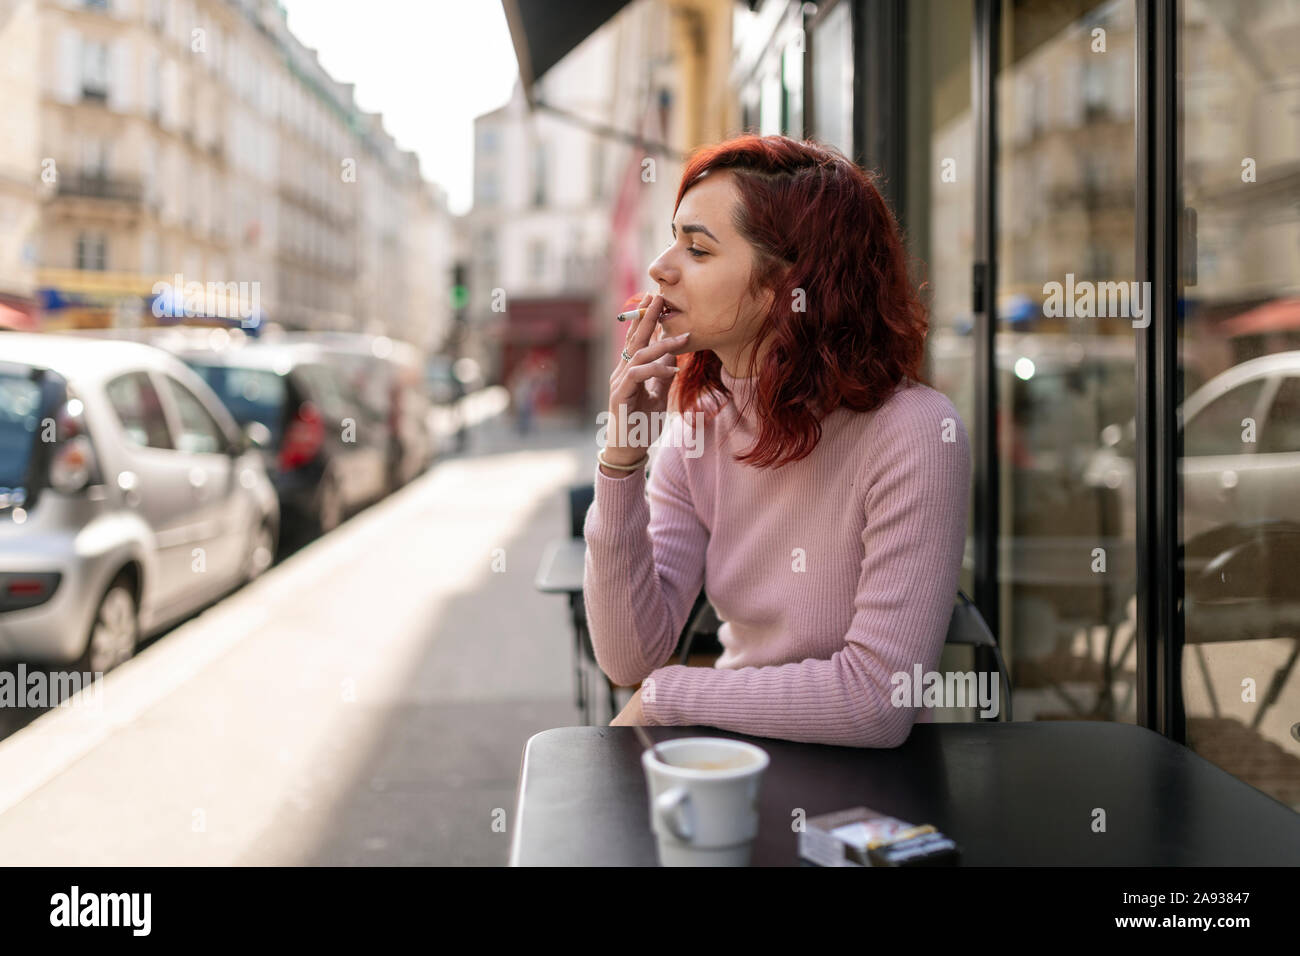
366, 701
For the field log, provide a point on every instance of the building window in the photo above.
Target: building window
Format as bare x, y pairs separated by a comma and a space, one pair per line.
792, 84
154, 86
94, 71
1094, 80
92, 251
597, 170
833, 79
537, 258
539, 176
770, 104
94, 159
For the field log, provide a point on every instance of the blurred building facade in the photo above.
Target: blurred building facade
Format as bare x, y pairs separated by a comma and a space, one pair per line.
573, 193
146, 139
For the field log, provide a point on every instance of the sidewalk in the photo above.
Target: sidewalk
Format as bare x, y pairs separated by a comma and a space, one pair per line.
365, 702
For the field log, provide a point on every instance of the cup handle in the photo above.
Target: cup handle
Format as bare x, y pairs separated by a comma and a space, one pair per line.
673, 809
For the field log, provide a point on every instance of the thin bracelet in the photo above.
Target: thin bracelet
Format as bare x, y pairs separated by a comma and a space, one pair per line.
600, 457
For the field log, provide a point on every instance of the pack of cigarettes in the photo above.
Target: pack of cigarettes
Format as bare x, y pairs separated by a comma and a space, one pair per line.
864, 837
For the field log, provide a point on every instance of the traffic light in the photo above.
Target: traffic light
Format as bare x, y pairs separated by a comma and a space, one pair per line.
459, 286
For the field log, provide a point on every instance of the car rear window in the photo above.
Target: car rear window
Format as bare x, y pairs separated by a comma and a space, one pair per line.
20, 413
251, 394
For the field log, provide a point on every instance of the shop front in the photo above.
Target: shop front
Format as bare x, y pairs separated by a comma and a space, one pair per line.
548, 341
1134, 508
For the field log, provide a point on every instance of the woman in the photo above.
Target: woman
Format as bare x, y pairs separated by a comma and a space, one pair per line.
824, 494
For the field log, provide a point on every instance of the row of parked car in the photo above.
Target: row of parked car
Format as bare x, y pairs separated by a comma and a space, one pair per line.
141, 480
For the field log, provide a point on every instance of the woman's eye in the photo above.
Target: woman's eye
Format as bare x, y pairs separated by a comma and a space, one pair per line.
697, 253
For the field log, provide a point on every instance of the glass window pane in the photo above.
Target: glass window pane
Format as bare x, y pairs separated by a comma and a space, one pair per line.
199, 433
1218, 429
139, 409
1239, 100
939, 217
1066, 349
251, 395
940, 201
1282, 426
20, 412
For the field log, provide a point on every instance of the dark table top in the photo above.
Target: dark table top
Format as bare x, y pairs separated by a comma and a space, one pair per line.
1010, 794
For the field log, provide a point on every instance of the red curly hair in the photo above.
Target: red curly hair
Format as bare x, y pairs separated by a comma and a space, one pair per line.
817, 224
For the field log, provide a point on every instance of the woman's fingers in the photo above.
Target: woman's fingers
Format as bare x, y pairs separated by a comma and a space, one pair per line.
645, 329
640, 373
627, 389
654, 379
657, 349
658, 356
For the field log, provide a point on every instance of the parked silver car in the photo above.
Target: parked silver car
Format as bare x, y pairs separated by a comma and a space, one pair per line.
1241, 449
129, 498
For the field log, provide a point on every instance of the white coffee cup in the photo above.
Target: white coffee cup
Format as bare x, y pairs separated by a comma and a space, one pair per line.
704, 815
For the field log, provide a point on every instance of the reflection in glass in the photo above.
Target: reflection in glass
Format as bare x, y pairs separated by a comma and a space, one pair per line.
1065, 356
938, 215
1239, 131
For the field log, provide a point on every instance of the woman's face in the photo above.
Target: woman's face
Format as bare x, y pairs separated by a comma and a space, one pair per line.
705, 275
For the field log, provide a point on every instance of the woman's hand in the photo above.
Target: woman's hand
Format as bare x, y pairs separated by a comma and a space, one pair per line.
631, 715
641, 385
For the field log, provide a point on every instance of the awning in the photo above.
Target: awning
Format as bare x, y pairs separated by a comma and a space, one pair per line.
543, 33
1280, 315
16, 320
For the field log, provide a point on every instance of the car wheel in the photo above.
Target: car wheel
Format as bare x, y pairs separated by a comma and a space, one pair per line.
330, 513
261, 552
114, 631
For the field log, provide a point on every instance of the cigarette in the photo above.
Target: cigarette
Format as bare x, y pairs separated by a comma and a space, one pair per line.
633, 314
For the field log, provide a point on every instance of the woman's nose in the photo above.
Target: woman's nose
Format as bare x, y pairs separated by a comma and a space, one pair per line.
660, 270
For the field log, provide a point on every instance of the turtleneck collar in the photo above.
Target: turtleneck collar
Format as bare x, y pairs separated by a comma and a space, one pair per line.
742, 391
734, 384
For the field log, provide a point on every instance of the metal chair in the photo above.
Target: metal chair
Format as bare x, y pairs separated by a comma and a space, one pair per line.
1240, 585
580, 499
967, 626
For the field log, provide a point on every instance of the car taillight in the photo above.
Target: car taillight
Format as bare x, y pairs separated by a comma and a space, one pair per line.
302, 439
73, 462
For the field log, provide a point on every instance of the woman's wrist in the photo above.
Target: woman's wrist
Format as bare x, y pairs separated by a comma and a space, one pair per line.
613, 473
619, 463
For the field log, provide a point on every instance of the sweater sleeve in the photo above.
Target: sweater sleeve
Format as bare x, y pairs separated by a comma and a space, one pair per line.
918, 471
644, 565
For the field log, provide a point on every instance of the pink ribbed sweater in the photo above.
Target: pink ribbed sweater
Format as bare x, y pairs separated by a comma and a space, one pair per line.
829, 574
